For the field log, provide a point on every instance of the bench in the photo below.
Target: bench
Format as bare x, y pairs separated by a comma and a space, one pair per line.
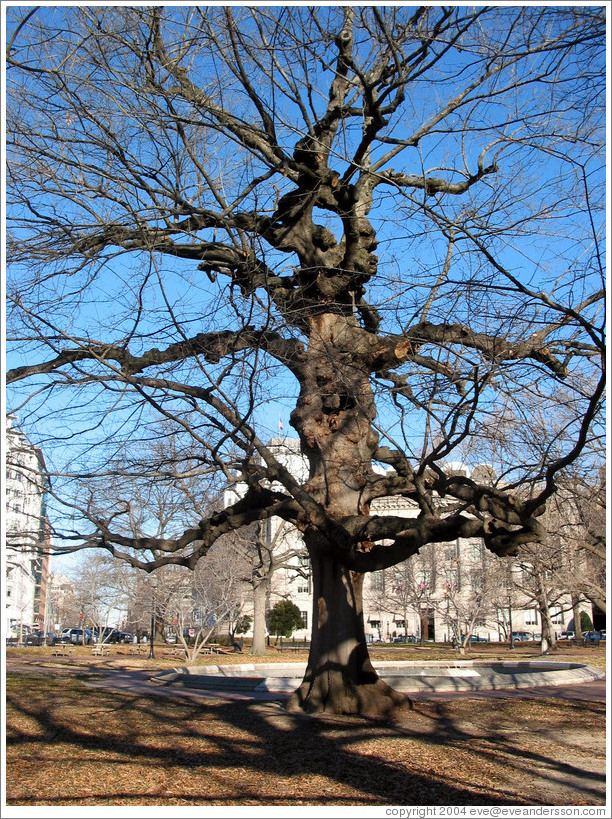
303, 646
100, 651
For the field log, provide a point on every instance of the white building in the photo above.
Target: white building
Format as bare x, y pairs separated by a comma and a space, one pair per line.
26, 535
445, 591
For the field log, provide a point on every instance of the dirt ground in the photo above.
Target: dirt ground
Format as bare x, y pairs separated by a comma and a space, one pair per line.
156, 746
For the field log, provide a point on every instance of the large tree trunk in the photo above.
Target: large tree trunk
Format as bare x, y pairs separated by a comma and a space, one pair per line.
339, 676
333, 417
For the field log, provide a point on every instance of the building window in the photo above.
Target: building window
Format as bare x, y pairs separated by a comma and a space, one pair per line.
502, 615
556, 615
378, 581
475, 552
304, 618
531, 617
304, 582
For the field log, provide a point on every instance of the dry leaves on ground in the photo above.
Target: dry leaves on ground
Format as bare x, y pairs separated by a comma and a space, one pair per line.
68, 744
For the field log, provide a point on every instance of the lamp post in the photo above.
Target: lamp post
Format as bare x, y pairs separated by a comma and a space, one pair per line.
153, 602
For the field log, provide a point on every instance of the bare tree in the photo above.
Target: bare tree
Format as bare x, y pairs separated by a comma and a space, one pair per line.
268, 549
196, 197
469, 584
204, 600
408, 586
576, 518
101, 594
540, 583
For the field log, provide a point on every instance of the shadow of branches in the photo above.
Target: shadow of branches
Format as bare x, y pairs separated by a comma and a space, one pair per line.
122, 748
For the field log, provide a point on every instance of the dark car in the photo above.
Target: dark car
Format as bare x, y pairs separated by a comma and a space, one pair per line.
37, 638
592, 636
476, 638
521, 636
75, 636
108, 635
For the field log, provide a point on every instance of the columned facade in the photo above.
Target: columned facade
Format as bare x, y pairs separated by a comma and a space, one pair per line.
441, 594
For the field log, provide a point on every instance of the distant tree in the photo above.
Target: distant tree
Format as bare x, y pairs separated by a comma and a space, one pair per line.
197, 195
267, 549
204, 601
101, 591
409, 586
469, 583
284, 618
243, 624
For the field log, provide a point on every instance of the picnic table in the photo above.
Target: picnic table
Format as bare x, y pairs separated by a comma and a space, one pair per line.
211, 648
175, 652
100, 651
62, 650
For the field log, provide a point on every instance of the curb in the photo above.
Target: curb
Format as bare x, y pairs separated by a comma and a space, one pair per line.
428, 677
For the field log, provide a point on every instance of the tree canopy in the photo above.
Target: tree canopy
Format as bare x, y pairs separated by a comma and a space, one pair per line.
388, 219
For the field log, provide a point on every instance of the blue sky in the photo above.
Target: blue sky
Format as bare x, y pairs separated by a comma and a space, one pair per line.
135, 294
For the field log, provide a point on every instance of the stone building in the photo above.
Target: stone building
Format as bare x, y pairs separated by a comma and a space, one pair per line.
27, 535
444, 592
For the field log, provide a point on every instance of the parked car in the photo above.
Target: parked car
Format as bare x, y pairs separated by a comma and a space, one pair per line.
37, 638
476, 638
592, 636
400, 639
522, 636
104, 635
602, 634
567, 635
111, 635
75, 636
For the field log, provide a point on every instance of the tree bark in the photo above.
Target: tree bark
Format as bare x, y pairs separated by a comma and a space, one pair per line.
260, 593
576, 615
339, 676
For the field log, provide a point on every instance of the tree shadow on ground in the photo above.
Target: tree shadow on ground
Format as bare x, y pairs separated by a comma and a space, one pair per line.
242, 752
